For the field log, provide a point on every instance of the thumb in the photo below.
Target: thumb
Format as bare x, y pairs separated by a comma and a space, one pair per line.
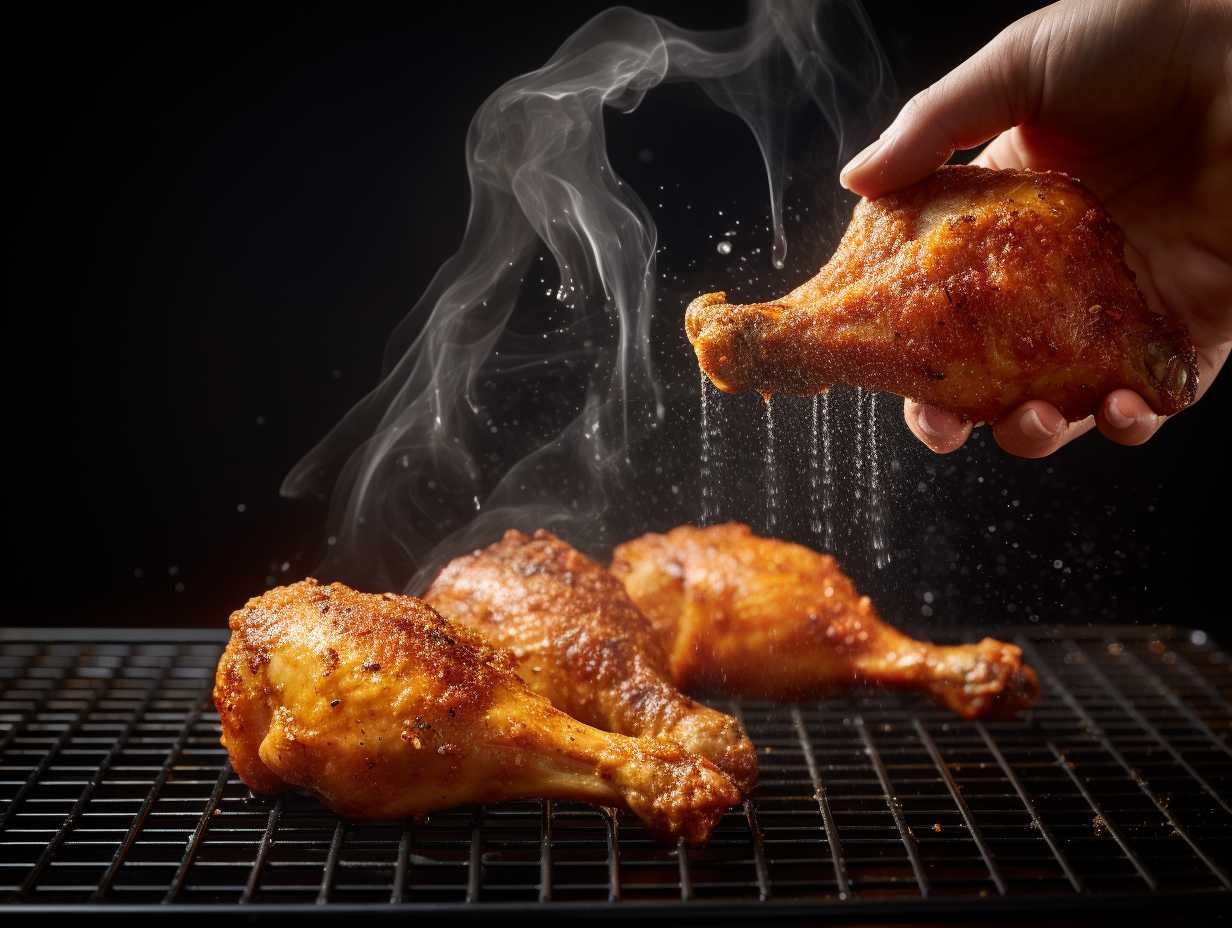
997, 88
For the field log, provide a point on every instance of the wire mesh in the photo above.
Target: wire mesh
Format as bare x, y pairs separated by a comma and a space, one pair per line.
115, 791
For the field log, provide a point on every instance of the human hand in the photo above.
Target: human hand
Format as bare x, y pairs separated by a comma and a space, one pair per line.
1133, 97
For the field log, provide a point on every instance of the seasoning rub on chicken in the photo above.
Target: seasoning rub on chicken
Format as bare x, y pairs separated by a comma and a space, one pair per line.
578, 639
973, 290
384, 710
749, 616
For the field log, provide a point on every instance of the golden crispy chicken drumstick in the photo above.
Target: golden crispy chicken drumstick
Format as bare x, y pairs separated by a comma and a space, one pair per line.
384, 710
973, 290
751, 616
578, 639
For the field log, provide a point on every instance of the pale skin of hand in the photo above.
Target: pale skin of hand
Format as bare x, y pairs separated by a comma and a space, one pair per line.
1134, 98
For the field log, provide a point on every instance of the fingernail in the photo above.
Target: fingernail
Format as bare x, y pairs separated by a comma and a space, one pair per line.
1116, 417
1119, 420
858, 161
927, 426
1033, 426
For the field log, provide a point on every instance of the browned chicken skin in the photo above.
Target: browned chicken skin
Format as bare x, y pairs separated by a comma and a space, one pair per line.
384, 710
973, 290
751, 616
580, 641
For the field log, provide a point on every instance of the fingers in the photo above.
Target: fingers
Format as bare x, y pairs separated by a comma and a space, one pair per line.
1036, 429
941, 431
1125, 418
1002, 152
992, 91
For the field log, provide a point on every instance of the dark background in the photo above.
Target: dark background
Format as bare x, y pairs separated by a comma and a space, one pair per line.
215, 218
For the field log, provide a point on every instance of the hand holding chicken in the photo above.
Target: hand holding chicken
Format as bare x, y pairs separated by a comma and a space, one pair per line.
972, 290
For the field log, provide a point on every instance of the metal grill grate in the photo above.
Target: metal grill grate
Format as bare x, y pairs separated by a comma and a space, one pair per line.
1116, 789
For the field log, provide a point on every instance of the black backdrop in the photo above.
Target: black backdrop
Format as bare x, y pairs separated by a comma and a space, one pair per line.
215, 218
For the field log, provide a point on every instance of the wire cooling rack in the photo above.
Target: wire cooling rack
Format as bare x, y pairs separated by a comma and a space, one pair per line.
1115, 791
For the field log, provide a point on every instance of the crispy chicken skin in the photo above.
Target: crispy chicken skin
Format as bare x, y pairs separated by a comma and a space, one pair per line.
973, 290
579, 640
751, 616
384, 710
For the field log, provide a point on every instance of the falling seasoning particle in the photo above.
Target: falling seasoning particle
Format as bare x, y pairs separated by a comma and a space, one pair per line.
240, 507
937, 827
724, 247
179, 587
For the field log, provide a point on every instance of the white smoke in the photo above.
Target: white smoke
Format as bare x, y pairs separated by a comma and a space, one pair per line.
415, 472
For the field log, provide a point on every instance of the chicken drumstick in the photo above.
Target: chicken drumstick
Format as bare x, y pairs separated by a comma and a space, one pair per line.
384, 710
751, 616
580, 641
973, 290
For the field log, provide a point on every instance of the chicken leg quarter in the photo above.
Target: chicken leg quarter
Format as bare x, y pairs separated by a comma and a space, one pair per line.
384, 710
973, 290
580, 641
750, 616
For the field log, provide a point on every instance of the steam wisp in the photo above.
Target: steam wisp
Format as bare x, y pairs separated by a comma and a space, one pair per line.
415, 473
